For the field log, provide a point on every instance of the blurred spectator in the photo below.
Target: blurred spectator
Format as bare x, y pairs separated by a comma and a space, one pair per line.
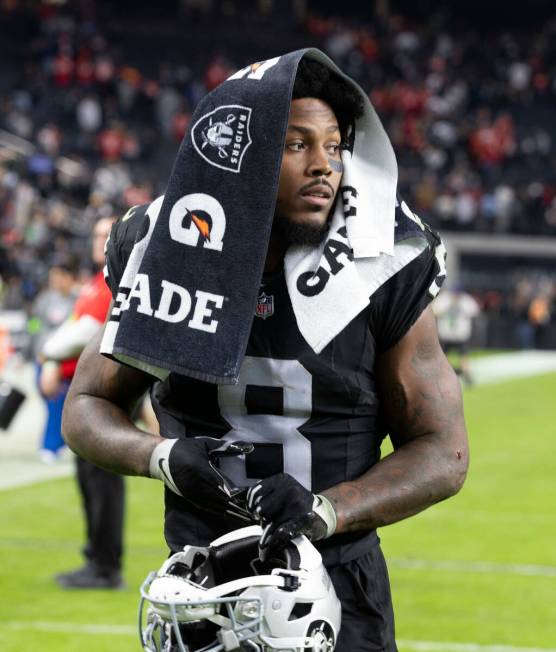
89, 114
539, 315
102, 492
520, 304
455, 311
50, 309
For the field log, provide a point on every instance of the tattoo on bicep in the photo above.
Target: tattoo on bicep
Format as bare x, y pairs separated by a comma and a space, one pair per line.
426, 349
426, 402
422, 402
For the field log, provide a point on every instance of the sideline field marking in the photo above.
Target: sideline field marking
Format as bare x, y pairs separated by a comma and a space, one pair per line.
459, 566
473, 567
24, 472
501, 367
441, 646
71, 628
128, 630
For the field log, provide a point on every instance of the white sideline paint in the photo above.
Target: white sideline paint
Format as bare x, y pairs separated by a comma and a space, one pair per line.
474, 567
71, 628
508, 366
451, 565
127, 630
454, 565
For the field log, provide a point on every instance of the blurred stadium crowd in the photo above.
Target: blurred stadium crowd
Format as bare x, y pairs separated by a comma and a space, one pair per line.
90, 119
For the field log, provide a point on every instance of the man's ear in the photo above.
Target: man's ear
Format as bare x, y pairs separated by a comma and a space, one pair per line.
348, 138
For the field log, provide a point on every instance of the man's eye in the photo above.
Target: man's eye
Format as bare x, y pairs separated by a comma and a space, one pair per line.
333, 148
295, 147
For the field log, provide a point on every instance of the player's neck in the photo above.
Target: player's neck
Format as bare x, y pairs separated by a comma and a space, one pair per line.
275, 253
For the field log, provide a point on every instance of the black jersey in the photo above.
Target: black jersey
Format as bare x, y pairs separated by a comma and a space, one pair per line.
314, 416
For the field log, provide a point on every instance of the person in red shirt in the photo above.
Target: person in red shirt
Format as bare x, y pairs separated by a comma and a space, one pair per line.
102, 492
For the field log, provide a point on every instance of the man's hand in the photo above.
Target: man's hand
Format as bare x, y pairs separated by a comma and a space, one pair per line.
50, 382
286, 510
186, 467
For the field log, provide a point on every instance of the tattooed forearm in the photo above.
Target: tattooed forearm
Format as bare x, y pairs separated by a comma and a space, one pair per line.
422, 405
416, 476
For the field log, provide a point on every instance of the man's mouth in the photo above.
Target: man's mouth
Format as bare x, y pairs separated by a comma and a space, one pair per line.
317, 195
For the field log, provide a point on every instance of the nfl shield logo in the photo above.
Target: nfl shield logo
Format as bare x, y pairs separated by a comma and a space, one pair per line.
265, 306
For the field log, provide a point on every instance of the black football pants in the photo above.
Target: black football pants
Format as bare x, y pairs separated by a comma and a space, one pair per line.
103, 502
363, 588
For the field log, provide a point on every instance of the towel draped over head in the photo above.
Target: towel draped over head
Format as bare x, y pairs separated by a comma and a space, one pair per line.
187, 297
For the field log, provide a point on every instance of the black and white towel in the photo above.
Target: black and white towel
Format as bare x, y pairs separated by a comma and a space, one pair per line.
187, 297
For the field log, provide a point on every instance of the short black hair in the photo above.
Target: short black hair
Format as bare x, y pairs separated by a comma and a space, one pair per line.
314, 79
65, 261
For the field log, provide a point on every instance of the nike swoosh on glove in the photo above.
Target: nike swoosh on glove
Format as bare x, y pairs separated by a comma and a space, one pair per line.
187, 467
286, 509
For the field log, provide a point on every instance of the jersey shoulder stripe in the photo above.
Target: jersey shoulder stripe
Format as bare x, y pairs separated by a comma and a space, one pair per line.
409, 225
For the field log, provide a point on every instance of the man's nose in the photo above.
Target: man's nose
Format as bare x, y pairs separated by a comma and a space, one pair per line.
319, 165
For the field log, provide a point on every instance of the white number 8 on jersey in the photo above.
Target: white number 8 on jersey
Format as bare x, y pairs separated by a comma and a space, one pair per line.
296, 385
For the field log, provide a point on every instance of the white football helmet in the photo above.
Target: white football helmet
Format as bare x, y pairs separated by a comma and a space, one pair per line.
223, 598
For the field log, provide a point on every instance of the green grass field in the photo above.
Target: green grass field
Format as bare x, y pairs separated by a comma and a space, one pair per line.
479, 569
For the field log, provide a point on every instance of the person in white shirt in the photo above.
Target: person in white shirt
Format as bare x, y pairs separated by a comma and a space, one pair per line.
455, 311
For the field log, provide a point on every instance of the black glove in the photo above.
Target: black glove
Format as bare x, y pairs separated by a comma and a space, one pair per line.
187, 467
286, 509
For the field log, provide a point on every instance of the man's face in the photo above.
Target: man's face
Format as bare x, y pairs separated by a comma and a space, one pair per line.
311, 172
101, 232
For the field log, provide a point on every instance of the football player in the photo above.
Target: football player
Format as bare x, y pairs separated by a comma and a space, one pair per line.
316, 421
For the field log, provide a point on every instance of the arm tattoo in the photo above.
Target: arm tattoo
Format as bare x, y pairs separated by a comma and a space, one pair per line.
422, 406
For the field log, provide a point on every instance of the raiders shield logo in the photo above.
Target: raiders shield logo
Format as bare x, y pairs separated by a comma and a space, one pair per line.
222, 136
265, 306
322, 636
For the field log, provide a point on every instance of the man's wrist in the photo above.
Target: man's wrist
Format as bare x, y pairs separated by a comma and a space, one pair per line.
158, 465
325, 510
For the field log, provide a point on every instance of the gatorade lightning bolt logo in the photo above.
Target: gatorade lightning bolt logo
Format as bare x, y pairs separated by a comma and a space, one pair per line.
202, 221
198, 220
